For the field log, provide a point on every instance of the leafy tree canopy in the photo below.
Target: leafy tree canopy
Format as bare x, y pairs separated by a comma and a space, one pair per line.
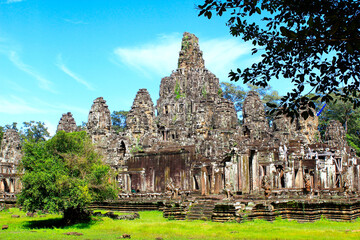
11, 126
312, 43
118, 119
346, 115
234, 93
34, 131
64, 174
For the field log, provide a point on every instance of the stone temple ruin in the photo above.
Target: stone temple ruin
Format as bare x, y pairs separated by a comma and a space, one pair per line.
190, 143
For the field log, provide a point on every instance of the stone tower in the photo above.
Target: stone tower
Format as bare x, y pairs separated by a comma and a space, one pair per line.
190, 55
11, 147
99, 121
191, 110
67, 123
335, 134
140, 122
255, 123
99, 116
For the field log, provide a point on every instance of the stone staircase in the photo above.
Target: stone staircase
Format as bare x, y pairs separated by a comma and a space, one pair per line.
174, 211
201, 210
224, 213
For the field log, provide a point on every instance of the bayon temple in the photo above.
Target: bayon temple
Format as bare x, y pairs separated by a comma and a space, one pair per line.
190, 142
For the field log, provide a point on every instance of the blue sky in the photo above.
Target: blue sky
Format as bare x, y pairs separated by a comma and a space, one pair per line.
58, 56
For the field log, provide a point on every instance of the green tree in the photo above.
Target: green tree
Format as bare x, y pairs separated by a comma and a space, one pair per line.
34, 131
11, 126
313, 43
234, 93
345, 114
354, 142
64, 174
118, 119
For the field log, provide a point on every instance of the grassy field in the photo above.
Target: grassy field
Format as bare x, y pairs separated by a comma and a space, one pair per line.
152, 225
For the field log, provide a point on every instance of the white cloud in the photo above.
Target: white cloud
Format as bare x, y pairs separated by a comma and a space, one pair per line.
222, 55
16, 105
74, 76
42, 82
160, 58
154, 58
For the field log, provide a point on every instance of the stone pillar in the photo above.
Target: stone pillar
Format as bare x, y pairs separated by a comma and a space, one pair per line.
299, 178
204, 181
12, 185
288, 177
2, 187
239, 176
217, 185
143, 186
245, 176
255, 172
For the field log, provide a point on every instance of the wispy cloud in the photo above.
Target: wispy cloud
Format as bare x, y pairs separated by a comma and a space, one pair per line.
222, 55
15, 105
12, 104
18, 107
71, 74
42, 82
160, 58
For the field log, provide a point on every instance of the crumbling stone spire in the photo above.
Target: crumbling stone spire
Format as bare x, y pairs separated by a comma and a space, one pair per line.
99, 117
255, 123
141, 116
11, 146
190, 55
67, 123
335, 134
284, 129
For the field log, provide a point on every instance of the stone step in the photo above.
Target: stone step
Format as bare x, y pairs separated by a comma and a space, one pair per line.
201, 211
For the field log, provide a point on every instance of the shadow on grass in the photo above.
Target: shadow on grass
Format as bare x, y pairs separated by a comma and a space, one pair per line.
56, 223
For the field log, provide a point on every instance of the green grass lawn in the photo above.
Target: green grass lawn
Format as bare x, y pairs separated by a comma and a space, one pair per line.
152, 225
